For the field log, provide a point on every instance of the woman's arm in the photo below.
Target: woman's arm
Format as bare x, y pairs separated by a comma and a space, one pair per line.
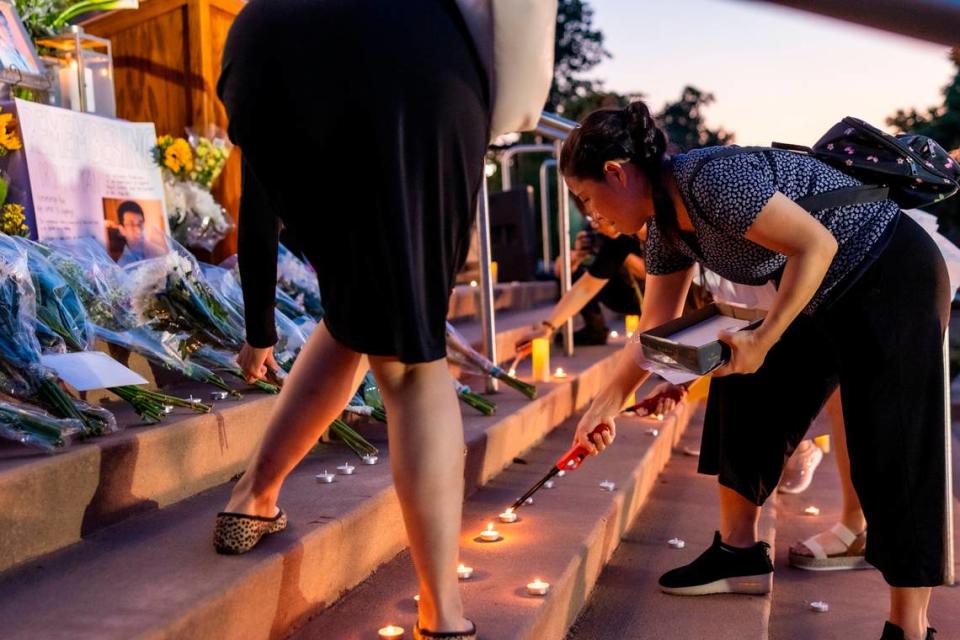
784, 227
257, 246
662, 303
636, 266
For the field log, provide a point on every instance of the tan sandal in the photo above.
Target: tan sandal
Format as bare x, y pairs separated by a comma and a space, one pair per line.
423, 634
851, 558
237, 533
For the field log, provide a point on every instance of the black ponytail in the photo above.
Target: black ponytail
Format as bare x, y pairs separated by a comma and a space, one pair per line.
622, 134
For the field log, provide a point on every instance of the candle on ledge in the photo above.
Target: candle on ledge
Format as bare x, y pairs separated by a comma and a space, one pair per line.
631, 324
812, 511
823, 442
614, 334
490, 534
474, 284
538, 587
508, 516
391, 632
369, 459
464, 572
541, 359
548, 484
324, 478
559, 373
346, 469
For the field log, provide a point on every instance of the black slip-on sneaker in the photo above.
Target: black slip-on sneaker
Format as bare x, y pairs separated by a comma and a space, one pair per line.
723, 569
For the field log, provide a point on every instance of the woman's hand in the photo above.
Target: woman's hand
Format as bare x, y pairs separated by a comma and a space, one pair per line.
748, 350
257, 363
662, 400
600, 412
524, 344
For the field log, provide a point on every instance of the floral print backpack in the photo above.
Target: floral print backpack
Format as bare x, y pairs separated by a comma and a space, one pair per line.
911, 170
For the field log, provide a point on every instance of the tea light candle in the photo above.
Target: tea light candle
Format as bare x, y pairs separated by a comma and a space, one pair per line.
416, 599
548, 484
370, 459
561, 473
168, 408
812, 511
559, 373
464, 572
528, 501
538, 587
490, 534
218, 395
823, 442
614, 334
324, 478
820, 606
541, 359
607, 485
631, 324
659, 417
346, 469
508, 516
391, 632
676, 543
512, 372
193, 400
653, 432
473, 283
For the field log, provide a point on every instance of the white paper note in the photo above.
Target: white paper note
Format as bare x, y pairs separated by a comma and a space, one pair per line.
88, 370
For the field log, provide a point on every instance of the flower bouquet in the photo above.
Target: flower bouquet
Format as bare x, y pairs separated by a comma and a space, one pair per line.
297, 280
170, 294
62, 314
21, 374
460, 352
474, 400
36, 428
190, 167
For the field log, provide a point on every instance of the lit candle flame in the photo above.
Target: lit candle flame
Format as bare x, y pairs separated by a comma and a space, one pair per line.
490, 526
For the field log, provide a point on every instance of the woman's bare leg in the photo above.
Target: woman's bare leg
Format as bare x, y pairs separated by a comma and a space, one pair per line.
324, 378
739, 519
427, 456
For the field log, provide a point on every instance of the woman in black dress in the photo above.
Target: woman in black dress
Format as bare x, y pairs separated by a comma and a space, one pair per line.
863, 300
363, 125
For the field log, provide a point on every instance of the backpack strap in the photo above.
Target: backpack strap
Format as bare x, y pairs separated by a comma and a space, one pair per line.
786, 146
845, 197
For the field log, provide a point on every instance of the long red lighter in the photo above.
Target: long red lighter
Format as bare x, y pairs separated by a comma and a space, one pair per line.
570, 461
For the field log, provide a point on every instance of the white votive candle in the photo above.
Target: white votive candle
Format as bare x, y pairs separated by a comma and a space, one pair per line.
538, 587
346, 469
464, 572
812, 511
559, 373
370, 459
490, 534
508, 516
548, 484
324, 478
391, 632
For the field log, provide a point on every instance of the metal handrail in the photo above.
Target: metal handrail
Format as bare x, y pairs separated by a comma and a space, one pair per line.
506, 159
545, 210
556, 128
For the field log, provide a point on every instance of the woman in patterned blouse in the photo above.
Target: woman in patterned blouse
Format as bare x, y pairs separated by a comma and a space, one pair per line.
862, 301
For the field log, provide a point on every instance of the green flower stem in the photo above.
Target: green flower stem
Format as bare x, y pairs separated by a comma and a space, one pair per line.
352, 439
479, 403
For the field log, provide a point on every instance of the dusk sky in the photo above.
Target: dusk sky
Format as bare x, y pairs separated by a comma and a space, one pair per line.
777, 73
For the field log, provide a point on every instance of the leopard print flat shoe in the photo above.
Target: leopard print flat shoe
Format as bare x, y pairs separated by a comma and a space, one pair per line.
423, 634
237, 533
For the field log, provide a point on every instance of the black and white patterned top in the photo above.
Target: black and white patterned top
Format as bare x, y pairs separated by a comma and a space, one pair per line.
726, 197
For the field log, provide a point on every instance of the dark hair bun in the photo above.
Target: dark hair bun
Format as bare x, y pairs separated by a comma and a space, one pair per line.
649, 142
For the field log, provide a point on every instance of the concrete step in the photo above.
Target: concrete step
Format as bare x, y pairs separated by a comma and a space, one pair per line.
465, 300
157, 576
627, 602
565, 538
49, 502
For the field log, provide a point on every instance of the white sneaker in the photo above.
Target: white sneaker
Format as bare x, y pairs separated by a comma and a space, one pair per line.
798, 472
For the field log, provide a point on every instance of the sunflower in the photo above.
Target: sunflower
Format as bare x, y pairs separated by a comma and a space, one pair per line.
9, 140
178, 157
